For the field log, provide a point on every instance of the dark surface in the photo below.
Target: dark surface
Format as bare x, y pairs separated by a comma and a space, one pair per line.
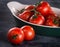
7, 21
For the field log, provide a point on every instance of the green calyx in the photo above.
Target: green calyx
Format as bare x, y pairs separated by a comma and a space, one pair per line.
35, 13
21, 11
37, 3
34, 17
14, 36
56, 21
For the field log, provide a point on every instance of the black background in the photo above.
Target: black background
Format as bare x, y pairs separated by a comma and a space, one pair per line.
7, 21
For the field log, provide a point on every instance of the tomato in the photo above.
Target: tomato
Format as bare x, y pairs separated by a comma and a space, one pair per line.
29, 32
44, 8
52, 21
15, 35
51, 15
25, 15
37, 19
29, 7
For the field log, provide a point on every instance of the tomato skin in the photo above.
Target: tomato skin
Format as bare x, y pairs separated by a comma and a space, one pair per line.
25, 15
44, 8
51, 15
38, 20
30, 7
15, 35
50, 22
29, 32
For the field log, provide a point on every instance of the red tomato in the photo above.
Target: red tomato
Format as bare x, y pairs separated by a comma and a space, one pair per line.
44, 8
52, 21
37, 19
15, 35
51, 15
25, 15
30, 7
29, 32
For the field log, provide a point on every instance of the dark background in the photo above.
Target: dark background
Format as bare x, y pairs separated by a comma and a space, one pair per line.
7, 22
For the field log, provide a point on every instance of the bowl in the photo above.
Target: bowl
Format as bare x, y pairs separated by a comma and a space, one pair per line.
39, 29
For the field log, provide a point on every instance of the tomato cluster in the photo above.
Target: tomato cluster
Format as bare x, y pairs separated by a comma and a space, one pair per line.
17, 35
40, 14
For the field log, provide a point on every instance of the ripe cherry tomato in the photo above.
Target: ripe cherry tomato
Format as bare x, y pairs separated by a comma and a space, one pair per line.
44, 8
29, 7
29, 32
52, 21
37, 19
25, 15
51, 15
15, 35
